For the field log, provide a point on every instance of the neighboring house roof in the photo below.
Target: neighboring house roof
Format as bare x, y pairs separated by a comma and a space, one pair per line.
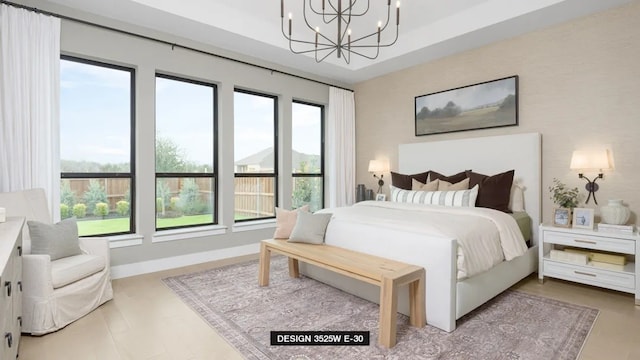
264, 158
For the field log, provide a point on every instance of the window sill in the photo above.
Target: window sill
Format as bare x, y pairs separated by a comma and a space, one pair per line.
188, 233
118, 241
254, 225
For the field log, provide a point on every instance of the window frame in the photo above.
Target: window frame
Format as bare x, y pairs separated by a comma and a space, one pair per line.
131, 175
273, 175
322, 151
213, 175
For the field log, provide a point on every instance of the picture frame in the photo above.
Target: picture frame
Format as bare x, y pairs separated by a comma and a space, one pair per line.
381, 197
562, 217
484, 105
583, 218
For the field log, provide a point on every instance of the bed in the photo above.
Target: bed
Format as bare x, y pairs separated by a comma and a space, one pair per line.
448, 297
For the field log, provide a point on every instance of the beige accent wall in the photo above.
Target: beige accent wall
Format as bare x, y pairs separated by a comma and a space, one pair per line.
579, 87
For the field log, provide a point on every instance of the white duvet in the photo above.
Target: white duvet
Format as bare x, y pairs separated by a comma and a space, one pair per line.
485, 237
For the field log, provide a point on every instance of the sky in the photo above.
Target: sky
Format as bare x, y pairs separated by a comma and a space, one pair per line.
468, 97
95, 117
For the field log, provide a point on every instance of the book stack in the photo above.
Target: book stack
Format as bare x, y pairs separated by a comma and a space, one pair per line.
618, 229
609, 261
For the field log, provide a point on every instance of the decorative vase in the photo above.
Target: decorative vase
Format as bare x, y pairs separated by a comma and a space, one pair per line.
615, 213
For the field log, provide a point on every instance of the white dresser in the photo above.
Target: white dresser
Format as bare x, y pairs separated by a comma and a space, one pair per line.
11, 286
626, 278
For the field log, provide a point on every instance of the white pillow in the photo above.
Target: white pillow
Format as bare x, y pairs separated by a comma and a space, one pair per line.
516, 200
464, 198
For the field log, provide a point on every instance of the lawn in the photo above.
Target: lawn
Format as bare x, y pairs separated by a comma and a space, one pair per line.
116, 225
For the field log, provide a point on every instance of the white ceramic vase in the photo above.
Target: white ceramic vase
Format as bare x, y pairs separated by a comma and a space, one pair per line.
615, 213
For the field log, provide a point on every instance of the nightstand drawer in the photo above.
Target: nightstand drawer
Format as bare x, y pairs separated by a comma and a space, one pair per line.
616, 280
591, 242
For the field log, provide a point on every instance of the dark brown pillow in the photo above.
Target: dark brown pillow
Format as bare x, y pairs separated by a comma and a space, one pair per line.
494, 191
450, 179
403, 181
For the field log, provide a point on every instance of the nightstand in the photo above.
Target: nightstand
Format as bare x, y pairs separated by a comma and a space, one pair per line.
626, 279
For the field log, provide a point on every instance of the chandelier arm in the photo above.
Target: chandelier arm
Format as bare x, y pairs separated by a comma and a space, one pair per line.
333, 48
353, 42
351, 3
324, 57
367, 56
314, 10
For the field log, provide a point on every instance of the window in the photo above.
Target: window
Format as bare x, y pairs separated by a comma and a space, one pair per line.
307, 140
97, 146
255, 155
186, 161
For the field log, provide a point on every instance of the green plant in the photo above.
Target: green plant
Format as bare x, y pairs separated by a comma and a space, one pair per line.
159, 205
64, 211
94, 194
101, 209
122, 207
190, 203
562, 195
67, 196
79, 210
173, 202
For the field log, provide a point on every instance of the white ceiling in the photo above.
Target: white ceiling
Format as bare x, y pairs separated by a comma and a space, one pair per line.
429, 29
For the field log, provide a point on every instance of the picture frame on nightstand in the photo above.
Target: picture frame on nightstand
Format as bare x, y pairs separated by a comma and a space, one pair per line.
583, 218
562, 217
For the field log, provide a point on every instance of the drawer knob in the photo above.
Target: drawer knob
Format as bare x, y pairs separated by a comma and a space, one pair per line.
20, 320
20, 285
9, 339
7, 285
19, 250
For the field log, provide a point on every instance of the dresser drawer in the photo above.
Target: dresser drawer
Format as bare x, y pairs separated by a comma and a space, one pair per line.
616, 280
591, 242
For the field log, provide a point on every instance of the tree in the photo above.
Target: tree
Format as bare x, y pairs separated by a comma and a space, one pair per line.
163, 192
306, 189
189, 202
169, 156
94, 194
67, 196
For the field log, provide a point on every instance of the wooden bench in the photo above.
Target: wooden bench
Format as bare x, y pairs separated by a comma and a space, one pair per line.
385, 273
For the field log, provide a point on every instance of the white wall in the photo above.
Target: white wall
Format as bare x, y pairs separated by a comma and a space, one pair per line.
579, 87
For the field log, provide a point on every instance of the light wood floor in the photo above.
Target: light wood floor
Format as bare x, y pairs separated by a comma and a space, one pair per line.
145, 320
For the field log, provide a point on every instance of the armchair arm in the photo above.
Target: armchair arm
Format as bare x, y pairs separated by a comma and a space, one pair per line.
36, 276
97, 246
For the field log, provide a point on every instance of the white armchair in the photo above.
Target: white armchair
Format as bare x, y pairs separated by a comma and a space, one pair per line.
56, 293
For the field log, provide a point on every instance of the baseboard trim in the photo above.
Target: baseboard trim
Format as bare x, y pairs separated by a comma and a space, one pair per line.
145, 267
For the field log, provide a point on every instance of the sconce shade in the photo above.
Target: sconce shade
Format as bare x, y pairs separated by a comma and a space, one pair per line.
590, 160
377, 166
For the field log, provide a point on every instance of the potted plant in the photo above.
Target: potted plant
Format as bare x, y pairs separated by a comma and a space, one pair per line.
567, 199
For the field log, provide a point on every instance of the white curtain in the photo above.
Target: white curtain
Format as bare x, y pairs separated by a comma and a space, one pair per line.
341, 149
29, 103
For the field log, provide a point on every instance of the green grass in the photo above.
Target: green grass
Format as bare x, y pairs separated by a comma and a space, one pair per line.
117, 225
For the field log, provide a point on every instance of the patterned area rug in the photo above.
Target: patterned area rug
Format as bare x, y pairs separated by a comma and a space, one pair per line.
514, 325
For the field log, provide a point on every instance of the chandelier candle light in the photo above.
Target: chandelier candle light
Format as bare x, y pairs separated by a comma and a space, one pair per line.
333, 12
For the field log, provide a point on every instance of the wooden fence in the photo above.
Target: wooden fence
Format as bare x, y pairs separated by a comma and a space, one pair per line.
254, 197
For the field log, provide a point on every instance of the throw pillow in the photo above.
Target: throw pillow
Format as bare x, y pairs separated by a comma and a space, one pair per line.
451, 179
56, 240
286, 220
403, 181
495, 190
310, 228
516, 200
464, 198
430, 186
447, 186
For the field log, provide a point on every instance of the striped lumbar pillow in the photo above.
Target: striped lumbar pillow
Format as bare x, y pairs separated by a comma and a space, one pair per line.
466, 198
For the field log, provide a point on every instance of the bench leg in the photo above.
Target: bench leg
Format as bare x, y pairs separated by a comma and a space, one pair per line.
265, 261
416, 302
388, 313
294, 271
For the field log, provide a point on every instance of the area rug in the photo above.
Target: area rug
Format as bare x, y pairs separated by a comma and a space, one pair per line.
514, 325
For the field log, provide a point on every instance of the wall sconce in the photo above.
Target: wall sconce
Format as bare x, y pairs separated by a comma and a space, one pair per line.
591, 160
378, 166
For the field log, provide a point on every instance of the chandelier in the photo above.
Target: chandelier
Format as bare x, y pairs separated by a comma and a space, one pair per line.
338, 14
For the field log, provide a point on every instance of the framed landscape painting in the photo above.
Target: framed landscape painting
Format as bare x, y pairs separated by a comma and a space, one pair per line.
485, 105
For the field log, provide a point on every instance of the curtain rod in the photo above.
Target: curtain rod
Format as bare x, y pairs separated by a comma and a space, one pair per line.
173, 45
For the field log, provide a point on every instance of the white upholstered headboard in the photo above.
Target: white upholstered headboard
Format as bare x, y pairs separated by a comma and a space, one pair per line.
486, 155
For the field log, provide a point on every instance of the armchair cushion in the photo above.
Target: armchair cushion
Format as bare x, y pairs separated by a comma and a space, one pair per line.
58, 241
73, 268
